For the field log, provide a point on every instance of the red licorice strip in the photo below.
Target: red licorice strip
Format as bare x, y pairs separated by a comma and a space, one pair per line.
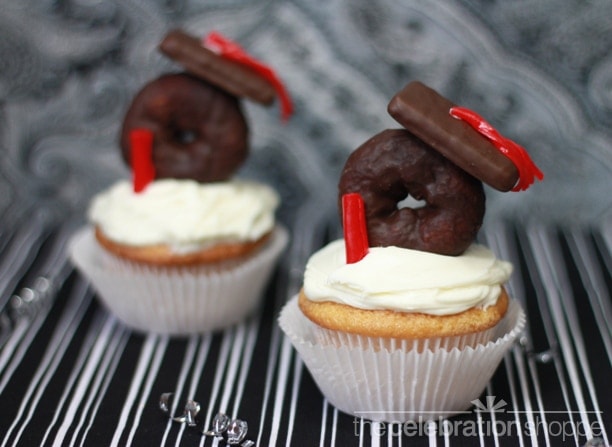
141, 147
232, 51
354, 225
527, 169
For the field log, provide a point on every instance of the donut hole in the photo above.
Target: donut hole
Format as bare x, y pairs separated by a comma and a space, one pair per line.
185, 136
411, 202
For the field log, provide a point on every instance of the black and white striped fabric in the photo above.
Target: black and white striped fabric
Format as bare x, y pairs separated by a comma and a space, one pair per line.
72, 375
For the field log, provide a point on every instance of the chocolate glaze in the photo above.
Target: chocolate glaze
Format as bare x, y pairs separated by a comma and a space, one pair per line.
425, 113
394, 164
204, 63
200, 130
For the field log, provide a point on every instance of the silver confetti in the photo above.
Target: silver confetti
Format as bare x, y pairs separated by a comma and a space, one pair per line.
220, 423
191, 410
222, 426
164, 402
237, 431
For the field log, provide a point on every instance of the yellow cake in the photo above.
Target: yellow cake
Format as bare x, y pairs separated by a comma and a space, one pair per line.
401, 325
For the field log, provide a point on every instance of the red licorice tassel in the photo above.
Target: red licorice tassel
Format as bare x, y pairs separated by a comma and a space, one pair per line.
141, 147
527, 169
232, 51
355, 230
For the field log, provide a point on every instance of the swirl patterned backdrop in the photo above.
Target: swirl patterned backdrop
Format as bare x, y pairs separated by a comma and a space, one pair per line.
540, 71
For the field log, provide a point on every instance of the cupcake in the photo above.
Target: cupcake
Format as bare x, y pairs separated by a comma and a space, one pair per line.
183, 222
185, 246
406, 318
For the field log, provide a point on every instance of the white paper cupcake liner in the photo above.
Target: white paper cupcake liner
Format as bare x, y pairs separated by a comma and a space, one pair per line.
395, 381
176, 301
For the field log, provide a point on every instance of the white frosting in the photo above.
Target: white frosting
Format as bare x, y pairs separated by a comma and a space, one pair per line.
184, 214
406, 280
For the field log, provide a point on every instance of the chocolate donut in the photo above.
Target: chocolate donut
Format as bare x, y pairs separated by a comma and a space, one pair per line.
395, 164
200, 130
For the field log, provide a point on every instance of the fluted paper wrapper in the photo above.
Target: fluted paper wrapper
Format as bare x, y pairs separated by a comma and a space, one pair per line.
176, 300
399, 380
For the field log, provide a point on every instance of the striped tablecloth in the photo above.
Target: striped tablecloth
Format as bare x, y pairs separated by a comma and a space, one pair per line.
72, 375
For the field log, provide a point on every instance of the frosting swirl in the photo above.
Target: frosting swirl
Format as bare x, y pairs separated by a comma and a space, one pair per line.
406, 280
185, 214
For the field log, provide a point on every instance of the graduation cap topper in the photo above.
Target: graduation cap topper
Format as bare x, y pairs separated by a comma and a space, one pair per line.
463, 137
225, 64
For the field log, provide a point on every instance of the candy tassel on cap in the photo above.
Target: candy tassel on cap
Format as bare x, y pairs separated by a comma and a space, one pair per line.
527, 169
226, 48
